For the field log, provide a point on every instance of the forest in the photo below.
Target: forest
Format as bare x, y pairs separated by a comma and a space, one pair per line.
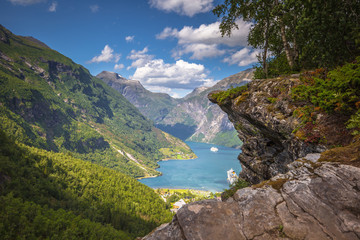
44, 194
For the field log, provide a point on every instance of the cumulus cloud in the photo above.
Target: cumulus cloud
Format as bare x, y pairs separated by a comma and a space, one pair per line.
199, 51
129, 38
140, 58
94, 8
107, 55
119, 66
53, 7
208, 34
243, 57
183, 7
206, 40
26, 2
181, 74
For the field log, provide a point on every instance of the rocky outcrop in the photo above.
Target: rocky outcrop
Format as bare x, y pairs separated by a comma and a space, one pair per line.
263, 116
312, 201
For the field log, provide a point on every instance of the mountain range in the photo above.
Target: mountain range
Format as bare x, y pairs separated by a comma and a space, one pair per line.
192, 118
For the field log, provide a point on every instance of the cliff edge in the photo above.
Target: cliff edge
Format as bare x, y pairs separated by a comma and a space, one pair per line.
303, 187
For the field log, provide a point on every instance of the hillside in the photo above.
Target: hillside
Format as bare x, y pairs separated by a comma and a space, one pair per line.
155, 106
301, 153
49, 102
53, 195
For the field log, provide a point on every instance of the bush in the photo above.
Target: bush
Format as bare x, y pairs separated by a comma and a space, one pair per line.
237, 185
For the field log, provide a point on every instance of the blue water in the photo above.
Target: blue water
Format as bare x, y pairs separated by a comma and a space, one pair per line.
207, 172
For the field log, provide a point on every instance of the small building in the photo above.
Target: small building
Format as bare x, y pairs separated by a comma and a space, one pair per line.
179, 204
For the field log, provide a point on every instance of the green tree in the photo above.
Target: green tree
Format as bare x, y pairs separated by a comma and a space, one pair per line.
309, 34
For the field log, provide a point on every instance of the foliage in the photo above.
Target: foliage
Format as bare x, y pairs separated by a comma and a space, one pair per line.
228, 139
276, 66
231, 93
94, 193
307, 34
335, 92
27, 220
239, 184
354, 123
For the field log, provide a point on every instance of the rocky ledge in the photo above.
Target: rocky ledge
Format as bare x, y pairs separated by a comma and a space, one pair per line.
265, 117
312, 201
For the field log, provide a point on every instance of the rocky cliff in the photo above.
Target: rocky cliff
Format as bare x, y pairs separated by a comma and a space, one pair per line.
303, 187
270, 124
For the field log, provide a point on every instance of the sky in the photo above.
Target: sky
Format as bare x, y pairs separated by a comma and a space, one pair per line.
170, 46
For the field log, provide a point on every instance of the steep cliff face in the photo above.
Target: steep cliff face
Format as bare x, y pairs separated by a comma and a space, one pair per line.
268, 123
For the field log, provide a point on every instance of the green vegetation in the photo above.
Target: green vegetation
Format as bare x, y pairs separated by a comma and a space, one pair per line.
295, 35
239, 184
231, 93
337, 91
49, 102
229, 139
46, 188
27, 220
188, 195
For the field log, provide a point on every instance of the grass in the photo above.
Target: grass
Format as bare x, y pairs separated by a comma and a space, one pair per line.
231, 93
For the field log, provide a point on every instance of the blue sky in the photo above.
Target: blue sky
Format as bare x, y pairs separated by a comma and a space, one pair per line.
171, 46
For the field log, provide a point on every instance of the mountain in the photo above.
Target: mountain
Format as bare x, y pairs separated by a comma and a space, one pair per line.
49, 102
155, 106
192, 118
197, 119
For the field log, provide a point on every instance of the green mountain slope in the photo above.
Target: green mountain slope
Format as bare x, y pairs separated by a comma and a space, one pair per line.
53, 195
155, 106
50, 102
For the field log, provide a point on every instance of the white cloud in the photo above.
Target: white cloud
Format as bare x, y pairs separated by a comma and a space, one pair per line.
199, 51
53, 7
94, 8
106, 55
129, 38
181, 74
206, 40
26, 2
208, 34
140, 58
243, 57
119, 66
183, 7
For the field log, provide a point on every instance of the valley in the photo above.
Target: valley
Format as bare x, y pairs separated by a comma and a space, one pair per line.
183, 117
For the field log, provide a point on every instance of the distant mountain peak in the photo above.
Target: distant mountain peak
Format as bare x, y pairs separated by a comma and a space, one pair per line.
110, 75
